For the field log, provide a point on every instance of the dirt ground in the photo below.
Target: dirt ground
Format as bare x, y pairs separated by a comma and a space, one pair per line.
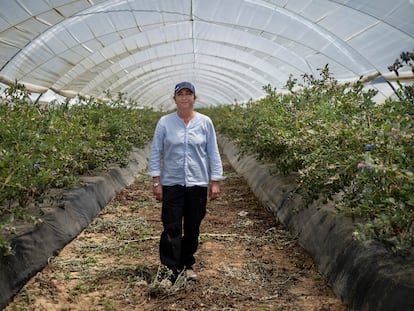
246, 261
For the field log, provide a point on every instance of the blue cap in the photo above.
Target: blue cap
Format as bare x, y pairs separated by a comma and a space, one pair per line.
184, 85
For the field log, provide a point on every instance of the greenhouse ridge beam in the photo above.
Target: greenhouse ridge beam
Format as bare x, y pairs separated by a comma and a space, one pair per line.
228, 49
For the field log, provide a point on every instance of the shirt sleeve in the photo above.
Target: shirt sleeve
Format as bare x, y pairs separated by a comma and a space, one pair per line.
216, 166
154, 165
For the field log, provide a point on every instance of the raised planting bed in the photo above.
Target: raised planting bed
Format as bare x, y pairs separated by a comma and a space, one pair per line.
367, 276
38, 243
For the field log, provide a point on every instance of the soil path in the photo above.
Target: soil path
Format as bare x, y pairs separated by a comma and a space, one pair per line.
246, 261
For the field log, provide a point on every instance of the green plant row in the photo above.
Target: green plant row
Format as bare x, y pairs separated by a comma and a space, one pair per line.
50, 147
342, 145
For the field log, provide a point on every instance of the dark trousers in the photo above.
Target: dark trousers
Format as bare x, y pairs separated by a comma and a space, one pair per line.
183, 209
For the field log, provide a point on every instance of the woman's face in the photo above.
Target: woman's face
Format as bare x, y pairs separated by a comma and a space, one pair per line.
184, 99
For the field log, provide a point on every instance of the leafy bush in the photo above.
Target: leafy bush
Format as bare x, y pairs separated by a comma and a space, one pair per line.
50, 148
339, 141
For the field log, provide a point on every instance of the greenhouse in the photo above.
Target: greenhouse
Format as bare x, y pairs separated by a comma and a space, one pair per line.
313, 104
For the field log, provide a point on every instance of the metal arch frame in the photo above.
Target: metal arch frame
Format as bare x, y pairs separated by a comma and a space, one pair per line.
336, 2
85, 68
241, 88
327, 35
190, 16
113, 70
80, 20
164, 83
137, 78
194, 38
128, 85
207, 93
141, 48
225, 89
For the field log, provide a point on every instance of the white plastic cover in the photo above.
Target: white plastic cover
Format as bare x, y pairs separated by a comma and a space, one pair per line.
229, 49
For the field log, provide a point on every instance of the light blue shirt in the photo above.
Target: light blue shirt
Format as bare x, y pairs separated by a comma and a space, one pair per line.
185, 155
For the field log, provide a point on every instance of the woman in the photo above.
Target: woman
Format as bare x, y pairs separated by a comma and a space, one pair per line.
186, 167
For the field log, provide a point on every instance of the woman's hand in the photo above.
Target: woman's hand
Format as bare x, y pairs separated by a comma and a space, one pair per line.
214, 190
157, 192
157, 188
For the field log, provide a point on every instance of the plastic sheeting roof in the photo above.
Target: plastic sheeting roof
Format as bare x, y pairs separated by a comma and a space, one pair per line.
229, 49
